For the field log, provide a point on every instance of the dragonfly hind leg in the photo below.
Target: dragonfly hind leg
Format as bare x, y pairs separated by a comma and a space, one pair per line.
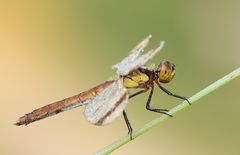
138, 93
125, 114
128, 125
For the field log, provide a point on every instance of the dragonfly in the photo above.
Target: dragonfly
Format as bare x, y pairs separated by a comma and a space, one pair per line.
107, 101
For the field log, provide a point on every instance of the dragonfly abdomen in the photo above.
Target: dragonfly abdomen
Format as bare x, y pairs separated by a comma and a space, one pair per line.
63, 105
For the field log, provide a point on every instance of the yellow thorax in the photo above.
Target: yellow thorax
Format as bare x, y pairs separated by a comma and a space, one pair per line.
134, 79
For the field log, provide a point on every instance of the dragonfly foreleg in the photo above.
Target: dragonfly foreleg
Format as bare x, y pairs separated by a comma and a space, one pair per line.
171, 94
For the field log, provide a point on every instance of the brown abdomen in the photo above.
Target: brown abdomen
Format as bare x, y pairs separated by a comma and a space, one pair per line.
63, 105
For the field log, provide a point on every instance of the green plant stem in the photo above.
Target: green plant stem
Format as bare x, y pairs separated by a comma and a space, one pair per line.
124, 140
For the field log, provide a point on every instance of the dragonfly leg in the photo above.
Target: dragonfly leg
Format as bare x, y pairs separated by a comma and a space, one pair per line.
171, 94
128, 125
148, 105
138, 93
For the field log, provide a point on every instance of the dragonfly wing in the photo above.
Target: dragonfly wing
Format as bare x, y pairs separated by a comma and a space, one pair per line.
108, 104
139, 48
136, 59
146, 57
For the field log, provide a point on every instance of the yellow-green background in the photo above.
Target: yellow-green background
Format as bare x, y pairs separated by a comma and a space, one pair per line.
54, 49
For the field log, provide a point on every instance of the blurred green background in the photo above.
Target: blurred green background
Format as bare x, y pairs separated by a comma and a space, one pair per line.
50, 50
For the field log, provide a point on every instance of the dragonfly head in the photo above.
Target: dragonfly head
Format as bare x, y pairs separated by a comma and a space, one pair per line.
165, 71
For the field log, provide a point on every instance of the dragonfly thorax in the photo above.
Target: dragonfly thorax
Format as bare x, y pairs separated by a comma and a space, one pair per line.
135, 79
144, 77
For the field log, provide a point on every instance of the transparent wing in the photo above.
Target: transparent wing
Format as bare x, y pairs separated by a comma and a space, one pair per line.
108, 104
136, 59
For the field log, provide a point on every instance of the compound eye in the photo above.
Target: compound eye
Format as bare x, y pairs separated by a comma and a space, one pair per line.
166, 71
